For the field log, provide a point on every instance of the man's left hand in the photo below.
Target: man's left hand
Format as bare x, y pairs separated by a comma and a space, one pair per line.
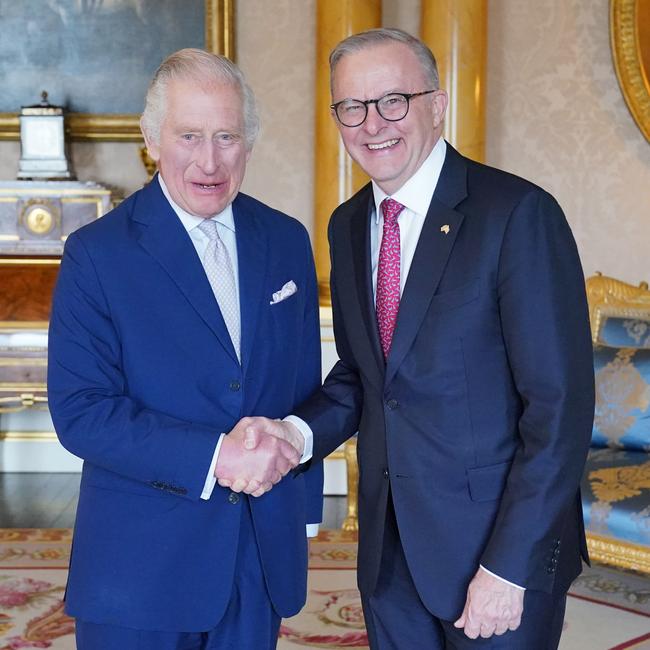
492, 607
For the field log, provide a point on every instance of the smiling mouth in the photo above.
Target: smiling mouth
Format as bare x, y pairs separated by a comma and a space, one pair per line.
383, 145
208, 186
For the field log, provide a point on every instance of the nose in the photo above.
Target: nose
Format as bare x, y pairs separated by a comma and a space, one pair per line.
374, 121
208, 157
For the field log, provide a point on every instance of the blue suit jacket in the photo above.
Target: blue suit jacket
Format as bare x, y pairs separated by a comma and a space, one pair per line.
480, 419
142, 380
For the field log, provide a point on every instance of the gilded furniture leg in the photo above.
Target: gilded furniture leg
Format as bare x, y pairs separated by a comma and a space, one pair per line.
351, 521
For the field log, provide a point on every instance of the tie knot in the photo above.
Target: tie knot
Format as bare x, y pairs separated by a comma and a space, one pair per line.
209, 228
391, 209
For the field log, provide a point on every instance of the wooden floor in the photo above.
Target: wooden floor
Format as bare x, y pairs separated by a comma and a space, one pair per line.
50, 501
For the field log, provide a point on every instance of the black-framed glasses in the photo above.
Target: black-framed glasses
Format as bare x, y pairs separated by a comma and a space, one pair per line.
392, 107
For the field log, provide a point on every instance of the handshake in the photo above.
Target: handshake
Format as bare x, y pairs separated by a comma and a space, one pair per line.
257, 453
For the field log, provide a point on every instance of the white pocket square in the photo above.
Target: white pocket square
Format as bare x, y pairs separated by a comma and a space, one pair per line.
287, 290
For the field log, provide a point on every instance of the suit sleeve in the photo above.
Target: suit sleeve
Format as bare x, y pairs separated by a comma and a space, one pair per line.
309, 379
334, 411
93, 414
545, 327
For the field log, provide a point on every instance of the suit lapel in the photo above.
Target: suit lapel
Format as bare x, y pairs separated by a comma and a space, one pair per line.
435, 244
252, 254
167, 241
360, 241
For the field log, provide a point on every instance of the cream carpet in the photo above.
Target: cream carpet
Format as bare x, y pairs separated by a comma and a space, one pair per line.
607, 609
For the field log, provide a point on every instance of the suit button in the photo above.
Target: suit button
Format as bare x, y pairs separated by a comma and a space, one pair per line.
385, 473
392, 404
234, 385
233, 498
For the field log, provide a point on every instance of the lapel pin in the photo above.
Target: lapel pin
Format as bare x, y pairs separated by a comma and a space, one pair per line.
445, 229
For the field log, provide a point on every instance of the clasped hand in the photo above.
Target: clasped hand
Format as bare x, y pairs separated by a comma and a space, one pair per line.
256, 454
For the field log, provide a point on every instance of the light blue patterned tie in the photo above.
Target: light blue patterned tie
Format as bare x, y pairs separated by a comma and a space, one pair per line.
218, 268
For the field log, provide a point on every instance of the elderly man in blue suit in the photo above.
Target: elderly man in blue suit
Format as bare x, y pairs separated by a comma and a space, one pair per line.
187, 307
465, 364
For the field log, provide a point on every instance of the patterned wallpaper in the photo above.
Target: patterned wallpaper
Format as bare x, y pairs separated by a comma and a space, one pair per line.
276, 50
555, 114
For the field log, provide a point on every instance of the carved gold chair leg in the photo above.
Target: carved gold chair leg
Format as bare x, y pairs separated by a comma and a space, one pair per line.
351, 521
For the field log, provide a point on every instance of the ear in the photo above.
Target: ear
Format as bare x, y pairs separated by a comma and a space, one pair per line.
153, 148
440, 101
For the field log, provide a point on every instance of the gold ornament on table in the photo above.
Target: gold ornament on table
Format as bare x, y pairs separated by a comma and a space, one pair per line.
38, 217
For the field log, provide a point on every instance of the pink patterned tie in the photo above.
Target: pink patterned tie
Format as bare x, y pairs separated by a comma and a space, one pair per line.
388, 274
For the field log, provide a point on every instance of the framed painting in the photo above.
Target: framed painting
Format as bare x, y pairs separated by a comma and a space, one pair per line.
630, 37
96, 57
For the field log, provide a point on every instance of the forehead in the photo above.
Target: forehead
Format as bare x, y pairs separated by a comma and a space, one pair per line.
189, 101
376, 70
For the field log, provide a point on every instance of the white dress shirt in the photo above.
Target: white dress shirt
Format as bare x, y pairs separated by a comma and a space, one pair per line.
415, 195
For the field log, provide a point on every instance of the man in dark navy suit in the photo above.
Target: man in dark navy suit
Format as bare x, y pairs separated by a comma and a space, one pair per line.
465, 365
170, 322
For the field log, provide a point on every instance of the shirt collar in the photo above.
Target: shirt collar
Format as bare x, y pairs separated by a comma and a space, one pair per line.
417, 192
191, 221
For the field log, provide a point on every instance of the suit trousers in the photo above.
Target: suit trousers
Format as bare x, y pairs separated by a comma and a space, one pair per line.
397, 619
249, 623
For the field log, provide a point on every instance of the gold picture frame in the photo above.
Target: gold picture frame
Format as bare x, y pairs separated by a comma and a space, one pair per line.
630, 41
219, 37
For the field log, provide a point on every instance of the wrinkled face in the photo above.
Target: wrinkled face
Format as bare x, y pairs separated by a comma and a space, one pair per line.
202, 153
389, 152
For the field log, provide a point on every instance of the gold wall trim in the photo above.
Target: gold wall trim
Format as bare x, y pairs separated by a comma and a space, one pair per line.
627, 60
22, 386
336, 176
7, 261
457, 33
28, 436
219, 37
620, 554
13, 327
16, 192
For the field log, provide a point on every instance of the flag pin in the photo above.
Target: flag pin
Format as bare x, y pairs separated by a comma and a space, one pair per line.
445, 229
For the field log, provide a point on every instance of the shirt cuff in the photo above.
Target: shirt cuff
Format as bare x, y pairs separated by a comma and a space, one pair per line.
307, 434
312, 530
494, 575
211, 479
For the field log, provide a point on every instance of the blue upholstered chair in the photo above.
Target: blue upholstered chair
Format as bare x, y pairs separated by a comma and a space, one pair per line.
616, 482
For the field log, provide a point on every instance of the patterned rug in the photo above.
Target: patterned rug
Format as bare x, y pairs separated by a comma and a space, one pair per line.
607, 609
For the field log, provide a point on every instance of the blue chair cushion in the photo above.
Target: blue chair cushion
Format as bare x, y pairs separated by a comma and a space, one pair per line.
616, 495
622, 418
625, 332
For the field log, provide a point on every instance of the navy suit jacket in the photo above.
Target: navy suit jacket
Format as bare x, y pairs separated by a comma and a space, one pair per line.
143, 378
481, 417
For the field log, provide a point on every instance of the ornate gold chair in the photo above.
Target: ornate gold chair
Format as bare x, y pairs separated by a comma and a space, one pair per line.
616, 481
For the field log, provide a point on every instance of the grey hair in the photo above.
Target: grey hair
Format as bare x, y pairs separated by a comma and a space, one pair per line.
374, 37
206, 69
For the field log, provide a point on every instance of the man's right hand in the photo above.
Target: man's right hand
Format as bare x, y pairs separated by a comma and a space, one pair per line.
260, 426
252, 462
